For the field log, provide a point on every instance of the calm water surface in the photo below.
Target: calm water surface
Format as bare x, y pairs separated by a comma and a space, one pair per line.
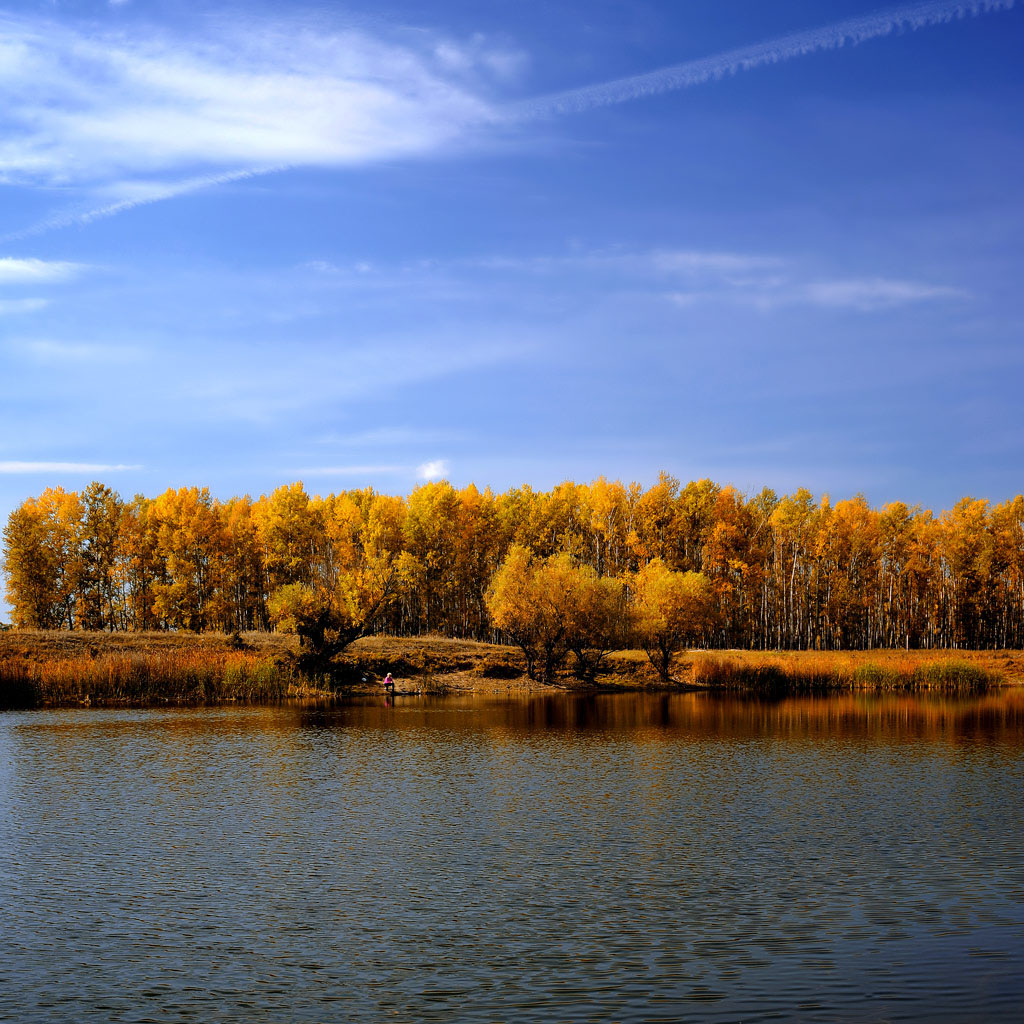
611, 858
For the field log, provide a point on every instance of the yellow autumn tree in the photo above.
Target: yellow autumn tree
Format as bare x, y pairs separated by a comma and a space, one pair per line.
793, 571
671, 610
192, 546
102, 604
42, 560
599, 620
328, 616
550, 606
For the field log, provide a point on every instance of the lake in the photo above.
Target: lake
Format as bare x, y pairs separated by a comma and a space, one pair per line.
623, 857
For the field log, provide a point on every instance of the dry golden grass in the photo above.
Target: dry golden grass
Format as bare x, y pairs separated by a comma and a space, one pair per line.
1007, 663
796, 671
190, 676
802, 670
61, 667
433, 656
47, 644
64, 667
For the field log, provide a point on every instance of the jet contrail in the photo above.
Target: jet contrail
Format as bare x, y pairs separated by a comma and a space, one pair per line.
850, 32
797, 44
155, 194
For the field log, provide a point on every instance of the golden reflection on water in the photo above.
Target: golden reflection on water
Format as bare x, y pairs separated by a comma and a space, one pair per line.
995, 716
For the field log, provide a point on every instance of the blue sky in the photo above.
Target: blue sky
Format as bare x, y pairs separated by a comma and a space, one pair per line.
362, 244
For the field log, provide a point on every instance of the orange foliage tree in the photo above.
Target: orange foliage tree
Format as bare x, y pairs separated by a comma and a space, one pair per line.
787, 571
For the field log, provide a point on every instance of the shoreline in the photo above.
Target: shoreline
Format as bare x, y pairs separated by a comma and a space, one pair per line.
61, 668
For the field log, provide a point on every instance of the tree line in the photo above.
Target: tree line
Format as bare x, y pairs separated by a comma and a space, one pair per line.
767, 571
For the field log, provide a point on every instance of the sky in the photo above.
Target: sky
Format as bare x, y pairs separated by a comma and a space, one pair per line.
775, 244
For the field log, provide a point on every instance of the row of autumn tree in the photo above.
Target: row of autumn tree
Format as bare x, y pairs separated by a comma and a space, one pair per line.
784, 571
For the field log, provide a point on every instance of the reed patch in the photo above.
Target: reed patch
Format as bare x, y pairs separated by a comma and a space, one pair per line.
835, 671
187, 676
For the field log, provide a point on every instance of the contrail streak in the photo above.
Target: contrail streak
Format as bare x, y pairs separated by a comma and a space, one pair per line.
797, 44
157, 194
851, 32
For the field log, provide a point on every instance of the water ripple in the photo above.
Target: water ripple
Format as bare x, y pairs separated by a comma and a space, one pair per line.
626, 858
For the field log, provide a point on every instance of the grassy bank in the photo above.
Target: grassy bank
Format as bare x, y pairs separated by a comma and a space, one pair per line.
844, 671
53, 667
179, 677
68, 668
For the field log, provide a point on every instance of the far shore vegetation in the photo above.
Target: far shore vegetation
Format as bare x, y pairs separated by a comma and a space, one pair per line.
585, 585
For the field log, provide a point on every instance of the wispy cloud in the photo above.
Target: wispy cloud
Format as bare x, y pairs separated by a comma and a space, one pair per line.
141, 116
689, 260
876, 293
850, 32
91, 107
687, 276
630, 261
63, 467
33, 271
775, 291
94, 107
612, 262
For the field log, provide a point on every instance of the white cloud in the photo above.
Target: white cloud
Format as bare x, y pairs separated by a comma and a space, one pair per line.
145, 116
433, 470
62, 467
33, 271
80, 106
